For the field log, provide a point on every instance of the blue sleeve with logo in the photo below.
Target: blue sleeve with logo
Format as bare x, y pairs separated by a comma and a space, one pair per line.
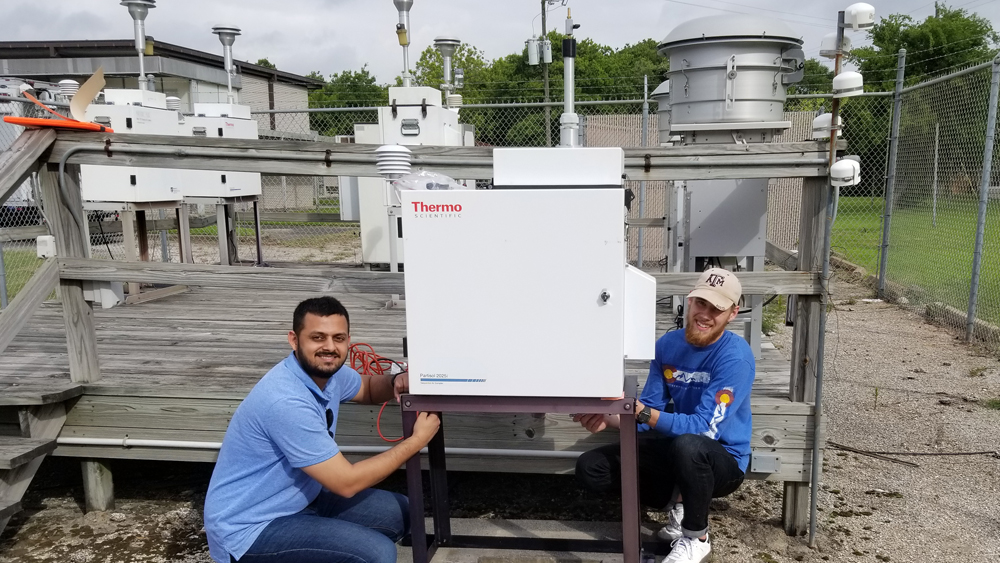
727, 391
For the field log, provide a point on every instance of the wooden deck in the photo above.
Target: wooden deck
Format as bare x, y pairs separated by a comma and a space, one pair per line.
177, 368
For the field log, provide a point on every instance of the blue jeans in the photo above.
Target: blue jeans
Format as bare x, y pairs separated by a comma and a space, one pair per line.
334, 529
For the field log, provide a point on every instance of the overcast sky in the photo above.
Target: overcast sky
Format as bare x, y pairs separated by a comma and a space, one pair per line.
329, 36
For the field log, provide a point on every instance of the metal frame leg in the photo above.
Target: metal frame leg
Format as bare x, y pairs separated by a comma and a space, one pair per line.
630, 481
415, 491
440, 508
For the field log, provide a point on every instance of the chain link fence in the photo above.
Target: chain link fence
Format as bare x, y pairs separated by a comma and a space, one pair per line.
934, 211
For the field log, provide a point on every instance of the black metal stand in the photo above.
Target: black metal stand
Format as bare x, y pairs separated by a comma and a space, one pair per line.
424, 544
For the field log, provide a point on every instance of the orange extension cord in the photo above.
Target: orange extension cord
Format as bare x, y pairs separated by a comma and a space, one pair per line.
365, 361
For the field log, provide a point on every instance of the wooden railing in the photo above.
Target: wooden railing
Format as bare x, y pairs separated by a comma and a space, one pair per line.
63, 207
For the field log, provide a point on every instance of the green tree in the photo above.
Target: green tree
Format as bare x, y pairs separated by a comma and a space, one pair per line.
945, 42
266, 63
950, 39
349, 88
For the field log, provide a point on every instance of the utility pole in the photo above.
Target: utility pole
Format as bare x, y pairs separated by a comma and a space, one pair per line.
545, 82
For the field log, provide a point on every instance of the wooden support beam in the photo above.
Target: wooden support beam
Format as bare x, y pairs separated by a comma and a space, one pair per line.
805, 336
343, 280
322, 158
142, 234
787, 260
306, 279
184, 232
22, 158
754, 283
42, 422
24, 305
78, 314
98, 487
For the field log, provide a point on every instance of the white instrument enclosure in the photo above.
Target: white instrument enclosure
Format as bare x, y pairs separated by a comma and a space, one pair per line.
504, 292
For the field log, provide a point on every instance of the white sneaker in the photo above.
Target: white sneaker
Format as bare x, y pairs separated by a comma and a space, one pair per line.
689, 550
672, 530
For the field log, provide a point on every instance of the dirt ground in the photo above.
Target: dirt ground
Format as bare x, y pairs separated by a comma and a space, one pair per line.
893, 384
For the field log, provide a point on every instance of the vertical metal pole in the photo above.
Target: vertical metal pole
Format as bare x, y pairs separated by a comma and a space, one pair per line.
817, 457
937, 133
257, 235
890, 183
164, 246
545, 85
984, 191
3, 280
642, 184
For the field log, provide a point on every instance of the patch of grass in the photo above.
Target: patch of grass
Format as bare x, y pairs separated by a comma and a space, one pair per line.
773, 315
936, 259
992, 404
307, 241
19, 266
213, 230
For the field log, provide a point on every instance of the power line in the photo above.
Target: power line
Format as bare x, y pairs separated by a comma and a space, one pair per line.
746, 13
828, 20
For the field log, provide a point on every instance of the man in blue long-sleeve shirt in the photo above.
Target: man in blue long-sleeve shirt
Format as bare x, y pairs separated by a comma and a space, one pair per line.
698, 449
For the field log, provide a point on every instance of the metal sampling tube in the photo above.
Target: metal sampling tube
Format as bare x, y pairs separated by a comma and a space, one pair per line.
228, 54
140, 47
569, 122
403, 31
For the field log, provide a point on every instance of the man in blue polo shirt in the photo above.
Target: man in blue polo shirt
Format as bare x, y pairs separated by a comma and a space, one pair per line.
281, 489
699, 450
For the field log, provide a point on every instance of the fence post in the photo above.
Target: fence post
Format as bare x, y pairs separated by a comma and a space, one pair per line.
937, 136
984, 192
897, 105
3, 280
642, 184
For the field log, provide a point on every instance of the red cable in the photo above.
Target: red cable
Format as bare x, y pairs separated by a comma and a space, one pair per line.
367, 362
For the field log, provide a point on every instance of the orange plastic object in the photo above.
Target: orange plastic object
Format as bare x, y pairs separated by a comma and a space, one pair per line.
58, 123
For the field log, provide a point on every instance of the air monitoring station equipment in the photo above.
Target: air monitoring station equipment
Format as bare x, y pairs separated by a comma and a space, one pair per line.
727, 84
416, 115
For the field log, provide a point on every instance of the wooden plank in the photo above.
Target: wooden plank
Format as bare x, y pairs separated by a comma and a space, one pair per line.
180, 417
78, 314
323, 144
17, 234
321, 280
756, 160
24, 391
154, 294
8, 508
43, 422
785, 259
16, 451
754, 283
24, 305
21, 159
279, 217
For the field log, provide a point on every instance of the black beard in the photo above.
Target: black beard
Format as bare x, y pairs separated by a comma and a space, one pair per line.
316, 371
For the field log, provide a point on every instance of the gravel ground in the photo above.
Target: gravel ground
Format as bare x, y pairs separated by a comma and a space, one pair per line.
893, 384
